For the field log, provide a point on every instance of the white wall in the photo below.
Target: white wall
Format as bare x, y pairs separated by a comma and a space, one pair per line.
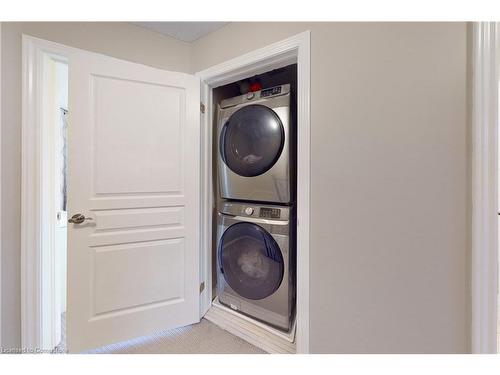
389, 162
121, 40
390, 186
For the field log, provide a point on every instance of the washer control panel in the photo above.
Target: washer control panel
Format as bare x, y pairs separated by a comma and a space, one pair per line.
270, 213
281, 213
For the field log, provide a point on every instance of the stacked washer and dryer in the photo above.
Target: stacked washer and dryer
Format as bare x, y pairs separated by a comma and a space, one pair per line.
256, 242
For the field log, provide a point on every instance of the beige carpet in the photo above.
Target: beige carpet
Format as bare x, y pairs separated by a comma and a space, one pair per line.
61, 348
202, 338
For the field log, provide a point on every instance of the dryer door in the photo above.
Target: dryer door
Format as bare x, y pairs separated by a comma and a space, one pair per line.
250, 261
251, 141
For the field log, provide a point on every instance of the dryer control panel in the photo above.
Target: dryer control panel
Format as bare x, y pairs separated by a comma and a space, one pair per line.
255, 96
272, 91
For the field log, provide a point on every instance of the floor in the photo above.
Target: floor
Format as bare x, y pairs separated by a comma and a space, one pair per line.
201, 338
61, 348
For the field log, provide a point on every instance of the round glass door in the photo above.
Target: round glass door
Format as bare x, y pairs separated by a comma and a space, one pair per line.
251, 261
251, 141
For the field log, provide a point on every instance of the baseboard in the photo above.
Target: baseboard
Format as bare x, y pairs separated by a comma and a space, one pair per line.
249, 330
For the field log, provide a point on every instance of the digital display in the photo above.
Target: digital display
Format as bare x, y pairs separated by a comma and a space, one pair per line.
272, 91
270, 213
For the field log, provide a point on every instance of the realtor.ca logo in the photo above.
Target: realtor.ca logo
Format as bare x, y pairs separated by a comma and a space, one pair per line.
31, 351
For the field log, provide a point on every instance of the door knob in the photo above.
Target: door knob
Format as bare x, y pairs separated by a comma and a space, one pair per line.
78, 219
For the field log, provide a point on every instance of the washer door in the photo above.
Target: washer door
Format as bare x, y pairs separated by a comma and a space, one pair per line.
251, 141
251, 261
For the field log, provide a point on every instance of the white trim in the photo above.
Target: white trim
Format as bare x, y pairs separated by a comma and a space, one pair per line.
206, 199
256, 333
30, 294
484, 279
33, 209
293, 49
1, 179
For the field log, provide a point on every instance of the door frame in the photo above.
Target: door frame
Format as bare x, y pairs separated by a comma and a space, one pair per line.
295, 49
484, 256
1, 178
35, 237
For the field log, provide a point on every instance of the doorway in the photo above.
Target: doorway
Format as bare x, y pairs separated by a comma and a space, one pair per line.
54, 114
294, 50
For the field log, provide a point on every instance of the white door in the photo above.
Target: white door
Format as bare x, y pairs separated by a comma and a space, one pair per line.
133, 265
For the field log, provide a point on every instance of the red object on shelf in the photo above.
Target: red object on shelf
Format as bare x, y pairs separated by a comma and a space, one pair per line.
256, 86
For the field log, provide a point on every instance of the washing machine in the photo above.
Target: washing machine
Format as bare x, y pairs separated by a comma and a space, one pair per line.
256, 261
256, 147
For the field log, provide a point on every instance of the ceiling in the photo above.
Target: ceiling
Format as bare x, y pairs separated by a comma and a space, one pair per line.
185, 31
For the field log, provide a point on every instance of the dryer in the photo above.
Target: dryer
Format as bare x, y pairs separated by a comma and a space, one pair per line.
256, 261
255, 145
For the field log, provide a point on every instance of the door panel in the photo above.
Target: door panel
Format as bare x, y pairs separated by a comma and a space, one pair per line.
145, 217
134, 170
157, 266
145, 157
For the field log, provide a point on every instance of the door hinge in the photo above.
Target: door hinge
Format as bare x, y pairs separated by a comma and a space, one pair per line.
202, 287
202, 107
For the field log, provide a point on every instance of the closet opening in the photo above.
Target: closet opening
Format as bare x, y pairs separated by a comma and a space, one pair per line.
275, 71
254, 225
